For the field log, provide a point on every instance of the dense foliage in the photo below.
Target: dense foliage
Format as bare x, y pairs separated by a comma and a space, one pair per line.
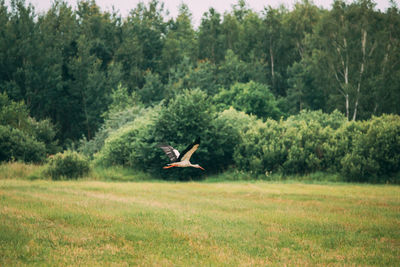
309, 142
18, 145
67, 165
22, 137
273, 91
252, 98
361, 151
65, 63
375, 150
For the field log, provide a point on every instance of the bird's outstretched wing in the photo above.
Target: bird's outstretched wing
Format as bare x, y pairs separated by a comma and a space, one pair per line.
171, 152
188, 152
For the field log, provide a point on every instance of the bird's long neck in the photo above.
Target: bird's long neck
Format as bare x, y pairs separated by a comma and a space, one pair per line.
196, 166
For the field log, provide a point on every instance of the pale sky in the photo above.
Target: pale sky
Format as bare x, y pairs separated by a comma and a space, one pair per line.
197, 7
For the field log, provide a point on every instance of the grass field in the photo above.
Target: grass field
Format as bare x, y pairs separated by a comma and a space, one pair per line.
219, 224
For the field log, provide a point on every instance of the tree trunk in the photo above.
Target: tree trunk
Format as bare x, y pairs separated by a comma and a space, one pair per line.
86, 115
363, 42
346, 79
344, 90
271, 55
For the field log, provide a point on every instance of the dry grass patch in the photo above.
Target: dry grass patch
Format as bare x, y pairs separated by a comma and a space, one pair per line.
18, 170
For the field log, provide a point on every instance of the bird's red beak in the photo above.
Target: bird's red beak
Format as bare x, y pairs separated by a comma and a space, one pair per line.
202, 168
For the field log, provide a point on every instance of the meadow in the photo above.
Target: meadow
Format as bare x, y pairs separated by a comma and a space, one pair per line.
153, 223
296, 113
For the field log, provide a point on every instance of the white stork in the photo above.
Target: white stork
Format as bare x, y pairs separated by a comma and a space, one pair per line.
181, 160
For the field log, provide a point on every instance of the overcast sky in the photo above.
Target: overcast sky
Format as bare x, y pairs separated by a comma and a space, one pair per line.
197, 7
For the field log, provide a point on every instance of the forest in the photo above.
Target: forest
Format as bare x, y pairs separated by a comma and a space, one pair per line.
289, 91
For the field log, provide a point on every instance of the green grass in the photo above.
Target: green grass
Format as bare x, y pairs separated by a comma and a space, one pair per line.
119, 174
197, 224
317, 177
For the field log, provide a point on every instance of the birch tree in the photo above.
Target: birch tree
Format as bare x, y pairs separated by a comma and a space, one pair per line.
346, 44
274, 46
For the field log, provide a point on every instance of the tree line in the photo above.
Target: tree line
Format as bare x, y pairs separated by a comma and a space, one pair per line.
280, 91
65, 63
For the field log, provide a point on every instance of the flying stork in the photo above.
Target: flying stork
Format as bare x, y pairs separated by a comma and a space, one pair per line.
181, 160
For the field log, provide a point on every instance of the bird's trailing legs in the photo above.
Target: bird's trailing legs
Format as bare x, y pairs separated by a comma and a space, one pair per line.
169, 166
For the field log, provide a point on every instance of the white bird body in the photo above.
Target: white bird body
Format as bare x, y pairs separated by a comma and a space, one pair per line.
184, 163
181, 160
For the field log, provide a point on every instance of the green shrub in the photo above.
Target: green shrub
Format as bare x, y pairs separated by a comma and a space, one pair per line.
375, 151
227, 128
114, 121
261, 149
67, 165
186, 117
126, 146
297, 145
341, 143
18, 145
312, 142
304, 142
22, 137
121, 100
177, 123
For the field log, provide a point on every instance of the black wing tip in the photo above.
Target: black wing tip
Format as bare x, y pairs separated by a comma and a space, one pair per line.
169, 151
160, 145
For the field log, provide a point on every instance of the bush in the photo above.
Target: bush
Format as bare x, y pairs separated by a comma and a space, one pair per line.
67, 165
177, 123
114, 121
312, 142
185, 118
341, 143
304, 142
227, 128
22, 137
18, 145
126, 146
294, 146
375, 151
261, 149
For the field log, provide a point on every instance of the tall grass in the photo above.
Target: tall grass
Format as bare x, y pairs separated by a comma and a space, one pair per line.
18, 170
